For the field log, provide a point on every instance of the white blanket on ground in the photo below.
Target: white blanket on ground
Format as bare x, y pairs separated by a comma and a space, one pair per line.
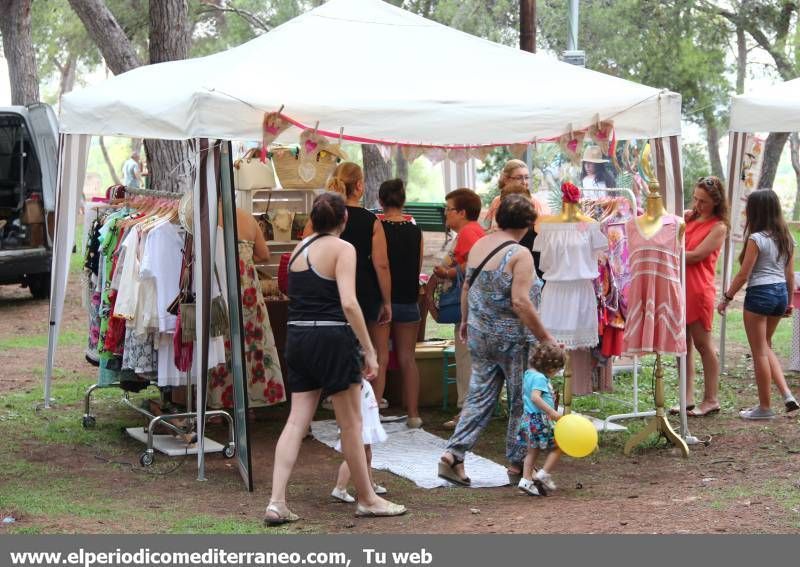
414, 454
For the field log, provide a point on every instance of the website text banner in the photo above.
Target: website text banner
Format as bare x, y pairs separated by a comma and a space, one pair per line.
393, 551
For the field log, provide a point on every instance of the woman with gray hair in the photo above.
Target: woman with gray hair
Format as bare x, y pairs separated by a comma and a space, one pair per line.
499, 323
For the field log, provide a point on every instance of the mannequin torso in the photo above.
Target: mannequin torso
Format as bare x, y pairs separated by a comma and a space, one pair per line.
652, 220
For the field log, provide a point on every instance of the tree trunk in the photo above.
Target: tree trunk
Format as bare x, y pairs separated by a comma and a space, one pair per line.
741, 58
401, 166
712, 140
102, 27
794, 144
68, 75
111, 169
15, 27
376, 171
773, 148
169, 41
527, 25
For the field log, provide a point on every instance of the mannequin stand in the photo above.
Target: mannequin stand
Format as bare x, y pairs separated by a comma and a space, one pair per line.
567, 403
659, 424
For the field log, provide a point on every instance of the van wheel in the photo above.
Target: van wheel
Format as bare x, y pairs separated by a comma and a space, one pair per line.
39, 285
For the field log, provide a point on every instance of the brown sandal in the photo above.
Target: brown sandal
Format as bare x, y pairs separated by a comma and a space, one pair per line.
448, 472
675, 410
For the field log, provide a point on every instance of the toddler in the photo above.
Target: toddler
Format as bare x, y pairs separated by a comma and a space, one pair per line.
371, 432
536, 427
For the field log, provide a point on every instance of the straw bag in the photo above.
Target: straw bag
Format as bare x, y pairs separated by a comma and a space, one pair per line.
315, 170
249, 173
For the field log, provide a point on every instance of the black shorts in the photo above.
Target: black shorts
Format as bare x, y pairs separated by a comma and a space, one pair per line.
326, 358
370, 308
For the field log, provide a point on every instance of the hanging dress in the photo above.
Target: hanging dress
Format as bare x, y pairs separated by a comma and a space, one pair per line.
656, 313
569, 255
264, 379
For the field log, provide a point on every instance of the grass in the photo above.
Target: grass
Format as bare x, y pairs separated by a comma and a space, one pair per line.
67, 338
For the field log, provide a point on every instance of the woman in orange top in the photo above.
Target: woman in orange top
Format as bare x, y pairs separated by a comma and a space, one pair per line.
707, 225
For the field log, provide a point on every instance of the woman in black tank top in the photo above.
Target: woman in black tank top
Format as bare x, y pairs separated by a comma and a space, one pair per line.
373, 280
327, 345
404, 244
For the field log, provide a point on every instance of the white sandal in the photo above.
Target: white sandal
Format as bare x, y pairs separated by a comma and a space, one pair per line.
281, 517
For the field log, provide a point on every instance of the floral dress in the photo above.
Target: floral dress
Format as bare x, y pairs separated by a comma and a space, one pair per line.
264, 379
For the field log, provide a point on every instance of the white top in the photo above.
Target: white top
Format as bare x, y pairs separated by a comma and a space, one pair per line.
592, 183
768, 269
128, 290
161, 261
569, 250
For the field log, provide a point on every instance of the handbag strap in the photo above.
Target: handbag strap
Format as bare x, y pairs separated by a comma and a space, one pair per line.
488, 257
303, 247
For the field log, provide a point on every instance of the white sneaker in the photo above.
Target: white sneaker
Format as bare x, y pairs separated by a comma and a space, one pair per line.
528, 486
378, 488
545, 479
383, 404
342, 494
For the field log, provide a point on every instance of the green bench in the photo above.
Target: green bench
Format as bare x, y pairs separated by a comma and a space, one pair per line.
429, 216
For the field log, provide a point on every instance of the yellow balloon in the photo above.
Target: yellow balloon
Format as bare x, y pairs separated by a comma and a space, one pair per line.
575, 435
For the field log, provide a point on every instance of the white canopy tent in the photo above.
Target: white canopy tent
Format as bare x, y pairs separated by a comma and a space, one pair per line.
772, 109
414, 82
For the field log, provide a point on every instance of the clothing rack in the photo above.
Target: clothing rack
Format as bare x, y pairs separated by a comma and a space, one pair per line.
153, 193
624, 190
147, 434
628, 193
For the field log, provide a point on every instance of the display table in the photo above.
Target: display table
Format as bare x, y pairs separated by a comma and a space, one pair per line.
429, 362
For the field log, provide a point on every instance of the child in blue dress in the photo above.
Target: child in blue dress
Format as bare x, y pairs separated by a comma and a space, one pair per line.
536, 427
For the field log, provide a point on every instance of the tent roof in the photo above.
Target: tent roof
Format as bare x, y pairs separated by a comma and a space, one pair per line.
773, 109
380, 73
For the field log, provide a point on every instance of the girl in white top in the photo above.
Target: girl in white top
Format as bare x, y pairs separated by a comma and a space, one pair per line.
766, 266
372, 432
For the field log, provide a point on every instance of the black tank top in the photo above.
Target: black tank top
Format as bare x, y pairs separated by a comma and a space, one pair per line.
312, 297
527, 242
402, 243
358, 232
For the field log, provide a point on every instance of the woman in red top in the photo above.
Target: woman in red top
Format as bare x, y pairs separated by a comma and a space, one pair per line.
707, 225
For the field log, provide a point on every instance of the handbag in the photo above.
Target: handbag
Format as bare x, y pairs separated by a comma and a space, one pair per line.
449, 303
299, 225
264, 222
184, 304
250, 173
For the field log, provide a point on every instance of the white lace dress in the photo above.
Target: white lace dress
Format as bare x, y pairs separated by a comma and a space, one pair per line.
569, 254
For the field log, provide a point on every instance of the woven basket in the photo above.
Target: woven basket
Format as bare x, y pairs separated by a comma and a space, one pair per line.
286, 163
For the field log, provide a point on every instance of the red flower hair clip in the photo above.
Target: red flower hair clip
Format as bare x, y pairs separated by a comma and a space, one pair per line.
570, 193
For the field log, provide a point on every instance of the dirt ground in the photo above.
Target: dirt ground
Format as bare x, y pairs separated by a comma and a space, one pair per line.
745, 481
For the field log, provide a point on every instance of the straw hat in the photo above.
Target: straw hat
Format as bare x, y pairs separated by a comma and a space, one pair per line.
593, 154
186, 212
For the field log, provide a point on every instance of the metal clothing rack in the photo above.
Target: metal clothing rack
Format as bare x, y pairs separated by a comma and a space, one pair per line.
147, 434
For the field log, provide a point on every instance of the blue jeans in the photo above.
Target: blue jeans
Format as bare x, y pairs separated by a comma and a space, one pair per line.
769, 300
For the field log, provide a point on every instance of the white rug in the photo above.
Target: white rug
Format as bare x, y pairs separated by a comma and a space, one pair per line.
414, 454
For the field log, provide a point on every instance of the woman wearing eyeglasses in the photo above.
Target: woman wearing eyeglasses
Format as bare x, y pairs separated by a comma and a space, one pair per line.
515, 179
707, 224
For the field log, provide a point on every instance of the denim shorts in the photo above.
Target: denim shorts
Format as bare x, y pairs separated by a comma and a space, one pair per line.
405, 313
768, 299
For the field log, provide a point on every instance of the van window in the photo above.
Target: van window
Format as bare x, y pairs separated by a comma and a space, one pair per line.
18, 172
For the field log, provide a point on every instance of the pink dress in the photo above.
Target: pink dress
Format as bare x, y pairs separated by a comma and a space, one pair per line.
656, 311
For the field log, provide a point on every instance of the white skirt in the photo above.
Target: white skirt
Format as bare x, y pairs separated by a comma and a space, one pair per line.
569, 313
372, 430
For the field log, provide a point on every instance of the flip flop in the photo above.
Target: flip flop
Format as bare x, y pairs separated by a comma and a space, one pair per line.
675, 410
696, 412
391, 510
448, 472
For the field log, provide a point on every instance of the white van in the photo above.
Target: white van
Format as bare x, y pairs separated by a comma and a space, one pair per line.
28, 161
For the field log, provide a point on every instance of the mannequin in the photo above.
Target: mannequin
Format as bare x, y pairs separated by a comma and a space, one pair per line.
656, 308
569, 305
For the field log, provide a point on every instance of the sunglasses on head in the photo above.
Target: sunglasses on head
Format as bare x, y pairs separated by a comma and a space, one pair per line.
706, 181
